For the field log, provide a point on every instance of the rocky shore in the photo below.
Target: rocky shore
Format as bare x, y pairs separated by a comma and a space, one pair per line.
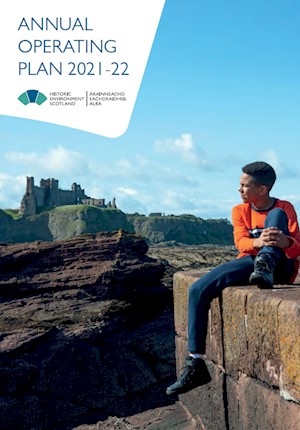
87, 333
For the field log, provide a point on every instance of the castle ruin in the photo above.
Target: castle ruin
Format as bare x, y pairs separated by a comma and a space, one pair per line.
48, 195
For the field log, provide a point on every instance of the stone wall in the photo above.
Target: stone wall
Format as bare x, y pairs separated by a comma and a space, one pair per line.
253, 354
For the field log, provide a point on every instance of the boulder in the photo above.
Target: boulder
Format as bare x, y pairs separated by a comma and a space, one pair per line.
81, 324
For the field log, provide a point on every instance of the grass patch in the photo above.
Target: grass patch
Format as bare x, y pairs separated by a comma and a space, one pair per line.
14, 213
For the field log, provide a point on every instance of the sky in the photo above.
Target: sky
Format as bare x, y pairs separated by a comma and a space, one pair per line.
221, 89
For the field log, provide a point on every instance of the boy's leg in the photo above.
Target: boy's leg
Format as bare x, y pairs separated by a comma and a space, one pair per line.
208, 287
275, 218
271, 261
201, 293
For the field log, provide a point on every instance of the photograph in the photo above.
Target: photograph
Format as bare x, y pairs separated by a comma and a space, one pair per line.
149, 202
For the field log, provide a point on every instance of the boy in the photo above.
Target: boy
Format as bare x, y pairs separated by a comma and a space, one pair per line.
266, 234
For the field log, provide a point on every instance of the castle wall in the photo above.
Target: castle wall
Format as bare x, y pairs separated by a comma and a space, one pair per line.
52, 197
66, 197
39, 194
94, 202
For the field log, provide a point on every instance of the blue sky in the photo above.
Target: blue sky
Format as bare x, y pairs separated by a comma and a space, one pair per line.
221, 89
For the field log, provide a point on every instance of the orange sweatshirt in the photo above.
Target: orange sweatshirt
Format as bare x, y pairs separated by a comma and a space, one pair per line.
247, 221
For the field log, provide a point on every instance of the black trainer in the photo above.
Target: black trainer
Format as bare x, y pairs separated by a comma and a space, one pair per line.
195, 374
264, 266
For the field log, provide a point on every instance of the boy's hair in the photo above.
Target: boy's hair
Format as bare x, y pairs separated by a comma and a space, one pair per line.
262, 173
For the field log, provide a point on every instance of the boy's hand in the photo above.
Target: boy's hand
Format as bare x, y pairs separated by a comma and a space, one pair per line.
272, 236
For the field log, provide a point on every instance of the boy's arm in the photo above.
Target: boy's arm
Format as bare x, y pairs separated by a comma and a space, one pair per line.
293, 251
244, 243
241, 235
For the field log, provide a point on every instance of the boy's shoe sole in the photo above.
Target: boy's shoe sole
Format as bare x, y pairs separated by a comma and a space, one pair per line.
260, 282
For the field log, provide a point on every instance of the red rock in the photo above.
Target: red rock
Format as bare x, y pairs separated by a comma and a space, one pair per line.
80, 331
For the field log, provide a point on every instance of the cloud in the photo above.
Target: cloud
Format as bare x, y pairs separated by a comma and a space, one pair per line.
130, 200
56, 161
126, 191
140, 170
270, 156
64, 164
182, 147
281, 169
12, 189
192, 201
177, 201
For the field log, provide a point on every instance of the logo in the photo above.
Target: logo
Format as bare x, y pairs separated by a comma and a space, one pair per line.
32, 96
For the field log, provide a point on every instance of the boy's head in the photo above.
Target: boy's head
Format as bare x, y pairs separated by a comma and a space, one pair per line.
261, 172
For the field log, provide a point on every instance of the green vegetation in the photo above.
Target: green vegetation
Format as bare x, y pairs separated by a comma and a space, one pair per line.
72, 208
14, 213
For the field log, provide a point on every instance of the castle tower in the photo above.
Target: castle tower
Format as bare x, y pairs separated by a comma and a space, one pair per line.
53, 194
78, 192
29, 184
28, 204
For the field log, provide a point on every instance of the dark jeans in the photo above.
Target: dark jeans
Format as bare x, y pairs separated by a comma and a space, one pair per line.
236, 272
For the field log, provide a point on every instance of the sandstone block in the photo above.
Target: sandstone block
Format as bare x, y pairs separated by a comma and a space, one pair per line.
181, 284
289, 347
235, 325
262, 336
242, 404
204, 403
252, 405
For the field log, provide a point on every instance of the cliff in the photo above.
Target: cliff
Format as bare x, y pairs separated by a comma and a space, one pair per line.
61, 223
64, 222
186, 229
253, 355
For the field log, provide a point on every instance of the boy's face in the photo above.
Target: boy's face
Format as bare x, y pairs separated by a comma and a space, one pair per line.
251, 192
